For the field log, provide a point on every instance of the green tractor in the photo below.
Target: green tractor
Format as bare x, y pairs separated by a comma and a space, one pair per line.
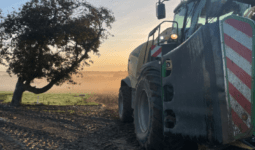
193, 85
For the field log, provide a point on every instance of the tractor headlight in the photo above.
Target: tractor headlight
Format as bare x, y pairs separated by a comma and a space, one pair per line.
161, 38
174, 36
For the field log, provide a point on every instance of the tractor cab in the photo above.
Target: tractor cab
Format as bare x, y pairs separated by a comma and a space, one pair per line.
189, 16
192, 14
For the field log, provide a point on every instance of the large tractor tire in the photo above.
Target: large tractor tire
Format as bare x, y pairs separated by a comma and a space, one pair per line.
148, 114
125, 110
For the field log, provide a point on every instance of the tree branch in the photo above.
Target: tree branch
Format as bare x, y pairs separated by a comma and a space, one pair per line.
34, 90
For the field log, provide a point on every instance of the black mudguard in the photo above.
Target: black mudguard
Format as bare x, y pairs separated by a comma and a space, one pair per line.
126, 82
153, 65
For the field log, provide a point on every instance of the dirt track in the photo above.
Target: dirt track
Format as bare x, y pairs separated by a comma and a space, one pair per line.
99, 129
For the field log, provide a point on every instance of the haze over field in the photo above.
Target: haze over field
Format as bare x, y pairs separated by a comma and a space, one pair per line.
92, 82
134, 21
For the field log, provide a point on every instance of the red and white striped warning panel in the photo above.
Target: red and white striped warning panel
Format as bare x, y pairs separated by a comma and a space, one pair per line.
156, 51
237, 37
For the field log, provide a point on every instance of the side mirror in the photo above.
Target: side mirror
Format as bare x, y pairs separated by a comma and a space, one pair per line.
161, 12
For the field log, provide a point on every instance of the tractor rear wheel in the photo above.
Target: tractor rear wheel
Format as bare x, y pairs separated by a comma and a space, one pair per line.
125, 110
148, 114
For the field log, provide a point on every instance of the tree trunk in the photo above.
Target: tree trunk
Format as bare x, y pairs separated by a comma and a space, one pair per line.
17, 96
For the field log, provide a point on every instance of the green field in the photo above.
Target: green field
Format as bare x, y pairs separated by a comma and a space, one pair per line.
49, 99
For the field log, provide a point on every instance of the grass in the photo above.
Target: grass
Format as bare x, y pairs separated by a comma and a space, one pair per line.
29, 100
49, 99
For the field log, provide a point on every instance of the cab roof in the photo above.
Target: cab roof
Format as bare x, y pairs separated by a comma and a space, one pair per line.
183, 2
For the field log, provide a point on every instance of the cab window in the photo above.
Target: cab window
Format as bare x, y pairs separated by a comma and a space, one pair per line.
234, 7
219, 10
179, 18
190, 13
202, 16
196, 18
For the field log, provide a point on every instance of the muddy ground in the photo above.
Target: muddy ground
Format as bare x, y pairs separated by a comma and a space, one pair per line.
78, 127
40, 127
86, 128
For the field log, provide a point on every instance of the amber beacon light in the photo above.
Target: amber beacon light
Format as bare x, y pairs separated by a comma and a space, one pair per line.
174, 36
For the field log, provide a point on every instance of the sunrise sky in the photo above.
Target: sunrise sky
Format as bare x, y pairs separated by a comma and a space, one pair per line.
134, 21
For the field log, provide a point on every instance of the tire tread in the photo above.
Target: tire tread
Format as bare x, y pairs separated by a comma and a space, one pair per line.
127, 109
155, 139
